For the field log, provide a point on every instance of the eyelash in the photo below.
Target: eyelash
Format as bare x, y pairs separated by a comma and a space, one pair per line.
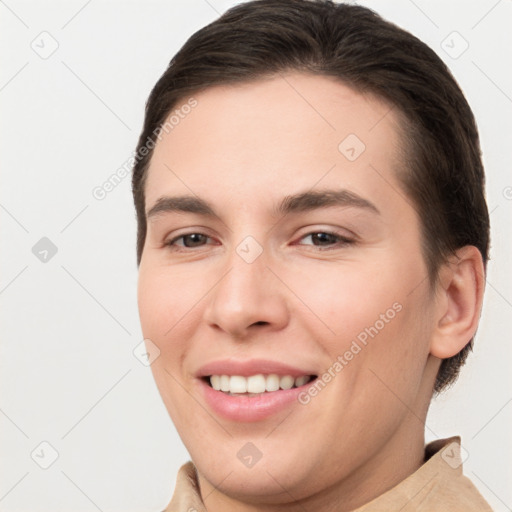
343, 241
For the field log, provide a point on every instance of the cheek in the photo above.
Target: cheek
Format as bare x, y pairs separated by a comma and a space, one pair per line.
166, 314
348, 296
165, 299
379, 346
376, 311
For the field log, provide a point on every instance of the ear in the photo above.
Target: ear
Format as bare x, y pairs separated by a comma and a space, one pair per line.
459, 299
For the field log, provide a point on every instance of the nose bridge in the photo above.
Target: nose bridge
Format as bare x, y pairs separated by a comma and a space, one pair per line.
246, 295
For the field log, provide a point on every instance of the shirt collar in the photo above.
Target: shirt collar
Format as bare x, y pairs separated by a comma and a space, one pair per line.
439, 482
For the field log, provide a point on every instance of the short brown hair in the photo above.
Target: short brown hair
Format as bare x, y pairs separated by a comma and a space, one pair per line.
262, 38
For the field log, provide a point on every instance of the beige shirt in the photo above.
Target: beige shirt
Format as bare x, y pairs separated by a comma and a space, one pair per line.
437, 486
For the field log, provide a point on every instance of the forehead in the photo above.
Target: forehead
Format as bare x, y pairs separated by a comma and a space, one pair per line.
277, 134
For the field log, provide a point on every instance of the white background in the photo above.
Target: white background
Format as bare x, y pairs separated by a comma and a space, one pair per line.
69, 325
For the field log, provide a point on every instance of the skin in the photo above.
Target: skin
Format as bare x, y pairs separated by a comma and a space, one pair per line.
242, 149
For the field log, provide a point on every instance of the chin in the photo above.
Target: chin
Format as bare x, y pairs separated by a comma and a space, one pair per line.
260, 479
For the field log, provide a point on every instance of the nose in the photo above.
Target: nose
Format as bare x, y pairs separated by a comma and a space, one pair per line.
249, 298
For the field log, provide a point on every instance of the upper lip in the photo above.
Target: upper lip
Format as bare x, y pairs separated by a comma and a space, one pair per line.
249, 367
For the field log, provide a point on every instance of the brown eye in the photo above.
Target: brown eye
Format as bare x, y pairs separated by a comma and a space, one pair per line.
323, 238
190, 240
326, 239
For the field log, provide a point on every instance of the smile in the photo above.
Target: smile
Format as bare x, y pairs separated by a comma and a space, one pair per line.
253, 389
254, 385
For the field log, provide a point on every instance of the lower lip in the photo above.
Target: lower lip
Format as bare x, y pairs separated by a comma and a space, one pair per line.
249, 409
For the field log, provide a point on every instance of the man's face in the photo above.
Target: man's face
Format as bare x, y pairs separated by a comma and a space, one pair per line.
306, 286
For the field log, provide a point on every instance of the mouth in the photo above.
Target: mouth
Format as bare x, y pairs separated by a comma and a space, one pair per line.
253, 398
255, 385
252, 390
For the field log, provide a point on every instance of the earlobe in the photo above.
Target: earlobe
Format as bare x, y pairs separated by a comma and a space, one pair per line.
459, 298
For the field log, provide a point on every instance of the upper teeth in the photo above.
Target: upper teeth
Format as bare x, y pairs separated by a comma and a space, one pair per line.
255, 383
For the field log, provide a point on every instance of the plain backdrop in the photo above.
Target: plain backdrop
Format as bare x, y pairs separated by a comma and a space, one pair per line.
73, 396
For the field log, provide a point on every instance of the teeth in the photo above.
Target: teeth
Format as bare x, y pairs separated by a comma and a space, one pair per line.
286, 382
237, 384
224, 383
272, 382
215, 382
300, 381
256, 384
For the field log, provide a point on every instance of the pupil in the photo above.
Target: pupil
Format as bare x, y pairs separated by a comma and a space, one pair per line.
323, 237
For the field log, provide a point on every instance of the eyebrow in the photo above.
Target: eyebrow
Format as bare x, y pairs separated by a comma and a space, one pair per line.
302, 202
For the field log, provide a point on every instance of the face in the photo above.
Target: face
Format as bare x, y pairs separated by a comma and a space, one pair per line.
282, 251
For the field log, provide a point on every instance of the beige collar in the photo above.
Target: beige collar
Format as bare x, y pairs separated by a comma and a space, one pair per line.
438, 485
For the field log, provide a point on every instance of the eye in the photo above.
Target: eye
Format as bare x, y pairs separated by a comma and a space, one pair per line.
326, 239
188, 241
320, 239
